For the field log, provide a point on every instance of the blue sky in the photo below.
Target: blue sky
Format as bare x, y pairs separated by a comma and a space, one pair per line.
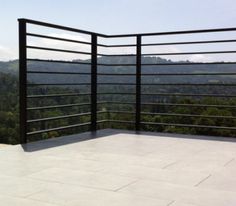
114, 16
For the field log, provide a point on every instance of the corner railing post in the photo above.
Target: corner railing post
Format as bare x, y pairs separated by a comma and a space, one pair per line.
138, 82
94, 83
23, 80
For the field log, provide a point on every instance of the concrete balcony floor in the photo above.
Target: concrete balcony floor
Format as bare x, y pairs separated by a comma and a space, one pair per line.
120, 168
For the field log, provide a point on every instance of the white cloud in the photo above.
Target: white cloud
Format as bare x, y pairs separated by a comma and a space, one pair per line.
7, 53
199, 58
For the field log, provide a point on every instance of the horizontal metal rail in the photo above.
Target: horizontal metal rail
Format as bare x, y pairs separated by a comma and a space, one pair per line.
189, 105
58, 50
117, 65
116, 74
52, 72
58, 117
58, 95
188, 125
58, 106
169, 114
58, 61
40, 23
172, 104
120, 112
188, 115
62, 117
174, 32
156, 64
183, 95
190, 42
117, 102
117, 55
116, 45
57, 38
62, 106
132, 122
190, 84
168, 54
117, 83
63, 128
59, 84
58, 128
189, 53
117, 93
169, 64
55, 26
133, 103
190, 74
120, 121
188, 63
170, 43
173, 114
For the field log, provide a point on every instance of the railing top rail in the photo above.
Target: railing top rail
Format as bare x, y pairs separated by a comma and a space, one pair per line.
56, 26
30, 21
175, 32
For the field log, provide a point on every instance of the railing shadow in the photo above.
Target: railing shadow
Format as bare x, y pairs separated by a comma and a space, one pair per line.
66, 140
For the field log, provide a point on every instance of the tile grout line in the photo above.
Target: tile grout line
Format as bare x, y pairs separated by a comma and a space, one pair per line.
171, 203
43, 201
75, 185
33, 193
120, 188
227, 163
203, 180
170, 164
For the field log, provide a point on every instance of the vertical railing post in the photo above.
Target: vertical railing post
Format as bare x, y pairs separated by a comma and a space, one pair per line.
138, 82
94, 83
23, 80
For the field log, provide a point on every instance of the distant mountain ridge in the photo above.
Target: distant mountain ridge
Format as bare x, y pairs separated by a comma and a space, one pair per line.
11, 67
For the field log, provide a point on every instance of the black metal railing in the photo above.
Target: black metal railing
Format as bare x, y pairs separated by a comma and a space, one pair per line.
157, 96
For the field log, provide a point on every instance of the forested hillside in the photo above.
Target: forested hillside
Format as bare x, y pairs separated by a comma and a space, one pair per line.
9, 107
9, 111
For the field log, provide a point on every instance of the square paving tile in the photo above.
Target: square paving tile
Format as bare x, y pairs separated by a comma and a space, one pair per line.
119, 168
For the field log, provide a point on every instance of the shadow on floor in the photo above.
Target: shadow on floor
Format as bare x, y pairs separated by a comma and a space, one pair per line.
64, 140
